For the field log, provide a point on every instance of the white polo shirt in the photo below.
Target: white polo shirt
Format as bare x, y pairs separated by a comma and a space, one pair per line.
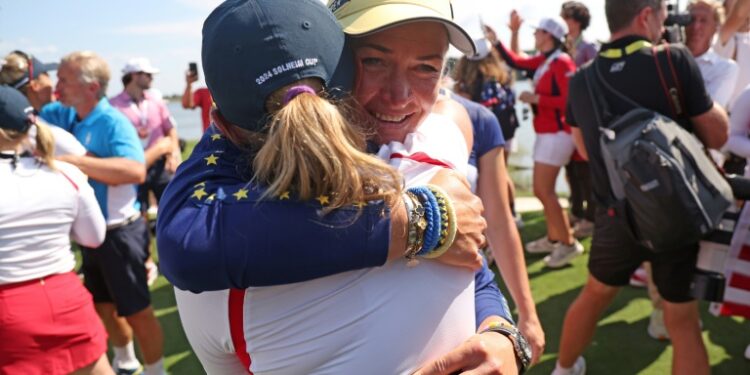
40, 210
719, 74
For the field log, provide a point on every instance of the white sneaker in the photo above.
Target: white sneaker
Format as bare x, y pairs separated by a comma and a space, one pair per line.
134, 368
540, 246
639, 278
583, 229
563, 254
579, 368
747, 352
656, 328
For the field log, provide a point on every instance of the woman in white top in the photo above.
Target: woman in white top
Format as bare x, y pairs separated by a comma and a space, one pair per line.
48, 324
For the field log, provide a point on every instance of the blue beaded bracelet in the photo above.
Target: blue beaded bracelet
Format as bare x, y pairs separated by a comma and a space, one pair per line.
432, 215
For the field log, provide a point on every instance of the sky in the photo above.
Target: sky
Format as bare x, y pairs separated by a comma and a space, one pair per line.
168, 32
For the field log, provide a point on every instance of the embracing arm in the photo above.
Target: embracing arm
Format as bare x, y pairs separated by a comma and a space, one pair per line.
110, 171
505, 242
88, 227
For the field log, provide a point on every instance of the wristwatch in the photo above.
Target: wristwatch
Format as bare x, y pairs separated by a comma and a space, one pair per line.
520, 345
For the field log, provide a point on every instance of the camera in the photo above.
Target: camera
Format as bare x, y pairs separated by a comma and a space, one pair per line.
675, 23
675, 18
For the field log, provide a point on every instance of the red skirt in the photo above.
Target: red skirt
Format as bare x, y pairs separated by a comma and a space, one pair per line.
48, 326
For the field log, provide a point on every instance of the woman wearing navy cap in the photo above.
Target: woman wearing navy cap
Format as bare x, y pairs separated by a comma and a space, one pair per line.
47, 321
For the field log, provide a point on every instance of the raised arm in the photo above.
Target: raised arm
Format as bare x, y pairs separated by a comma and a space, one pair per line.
188, 101
517, 61
737, 15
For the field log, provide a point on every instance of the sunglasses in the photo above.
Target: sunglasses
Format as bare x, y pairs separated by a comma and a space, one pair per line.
30, 69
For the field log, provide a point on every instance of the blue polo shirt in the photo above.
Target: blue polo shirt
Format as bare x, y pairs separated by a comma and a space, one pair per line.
105, 133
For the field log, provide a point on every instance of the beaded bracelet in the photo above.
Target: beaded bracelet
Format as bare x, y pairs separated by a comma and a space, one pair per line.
432, 214
448, 214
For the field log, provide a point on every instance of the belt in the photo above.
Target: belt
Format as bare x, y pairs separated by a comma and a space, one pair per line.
125, 222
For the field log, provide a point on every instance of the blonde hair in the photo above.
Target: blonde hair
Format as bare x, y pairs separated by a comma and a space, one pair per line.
15, 67
91, 68
716, 7
312, 150
470, 75
45, 142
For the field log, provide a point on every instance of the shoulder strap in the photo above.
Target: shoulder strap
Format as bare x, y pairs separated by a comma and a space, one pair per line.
600, 79
669, 82
598, 101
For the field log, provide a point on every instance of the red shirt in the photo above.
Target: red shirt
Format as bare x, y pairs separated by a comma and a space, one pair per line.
552, 88
202, 98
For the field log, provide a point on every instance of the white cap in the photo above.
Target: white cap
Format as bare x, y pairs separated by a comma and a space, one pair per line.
484, 47
554, 26
139, 64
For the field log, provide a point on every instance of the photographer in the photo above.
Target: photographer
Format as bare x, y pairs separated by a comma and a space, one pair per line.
627, 64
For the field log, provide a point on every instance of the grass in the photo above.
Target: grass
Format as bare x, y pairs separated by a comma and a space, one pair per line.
620, 346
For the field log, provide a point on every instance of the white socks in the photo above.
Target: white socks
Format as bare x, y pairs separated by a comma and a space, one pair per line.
125, 357
156, 368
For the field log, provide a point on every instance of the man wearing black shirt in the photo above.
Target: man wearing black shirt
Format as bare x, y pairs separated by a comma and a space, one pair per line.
627, 64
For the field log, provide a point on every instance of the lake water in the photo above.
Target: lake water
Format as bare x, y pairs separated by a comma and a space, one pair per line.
521, 162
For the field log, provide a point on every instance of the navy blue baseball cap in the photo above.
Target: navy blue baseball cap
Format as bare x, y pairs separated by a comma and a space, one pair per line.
16, 113
251, 48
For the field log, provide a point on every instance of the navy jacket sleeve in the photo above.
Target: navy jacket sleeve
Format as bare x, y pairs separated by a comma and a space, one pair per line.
214, 232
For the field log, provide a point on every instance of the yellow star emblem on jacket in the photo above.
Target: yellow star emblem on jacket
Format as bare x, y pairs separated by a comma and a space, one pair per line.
240, 194
199, 193
284, 195
211, 159
216, 137
323, 199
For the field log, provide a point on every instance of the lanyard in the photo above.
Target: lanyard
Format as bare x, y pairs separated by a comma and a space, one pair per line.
141, 112
616, 53
543, 69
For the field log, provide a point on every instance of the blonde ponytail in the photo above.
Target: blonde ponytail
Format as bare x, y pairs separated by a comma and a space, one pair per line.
45, 144
312, 151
